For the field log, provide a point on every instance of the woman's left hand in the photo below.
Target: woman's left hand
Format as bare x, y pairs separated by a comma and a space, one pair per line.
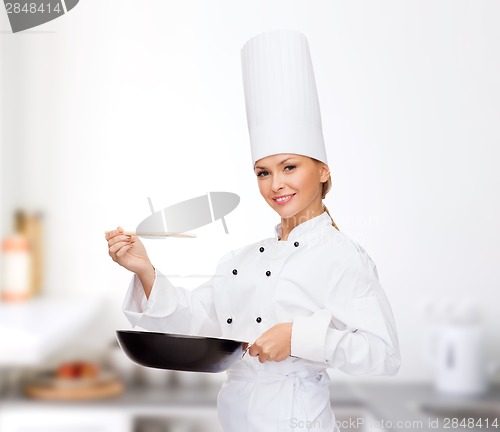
274, 344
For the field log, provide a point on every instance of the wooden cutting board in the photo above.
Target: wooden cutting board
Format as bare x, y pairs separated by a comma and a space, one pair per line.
93, 390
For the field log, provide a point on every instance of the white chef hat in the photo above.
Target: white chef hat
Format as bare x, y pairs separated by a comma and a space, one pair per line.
282, 104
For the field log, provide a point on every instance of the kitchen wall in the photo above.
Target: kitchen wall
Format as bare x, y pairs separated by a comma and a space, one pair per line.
120, 100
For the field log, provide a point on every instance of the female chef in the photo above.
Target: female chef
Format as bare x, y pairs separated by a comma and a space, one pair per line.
309, 298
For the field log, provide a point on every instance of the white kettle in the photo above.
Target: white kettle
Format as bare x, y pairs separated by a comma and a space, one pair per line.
457, 351
460, 361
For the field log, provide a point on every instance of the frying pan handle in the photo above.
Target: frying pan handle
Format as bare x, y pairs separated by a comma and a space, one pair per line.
248, 345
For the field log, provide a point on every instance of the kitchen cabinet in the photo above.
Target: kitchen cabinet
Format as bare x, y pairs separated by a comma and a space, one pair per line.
39, 418
67, 419
141, 409
31, 331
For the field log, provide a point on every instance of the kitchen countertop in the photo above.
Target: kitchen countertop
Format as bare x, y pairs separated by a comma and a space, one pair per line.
399, 407
174, 394
389, 405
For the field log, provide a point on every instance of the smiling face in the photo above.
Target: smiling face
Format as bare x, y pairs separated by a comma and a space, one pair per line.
291, 184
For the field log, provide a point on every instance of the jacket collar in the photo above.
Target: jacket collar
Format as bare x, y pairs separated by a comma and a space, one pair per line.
305, 229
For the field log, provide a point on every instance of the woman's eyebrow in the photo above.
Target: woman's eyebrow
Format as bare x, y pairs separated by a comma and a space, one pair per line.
281, 163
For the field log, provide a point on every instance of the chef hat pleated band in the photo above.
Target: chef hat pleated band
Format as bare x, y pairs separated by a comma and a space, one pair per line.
281, 101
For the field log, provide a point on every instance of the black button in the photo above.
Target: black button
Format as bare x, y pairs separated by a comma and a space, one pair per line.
268, 273
261, 249
229, 320
235, 271
258, 319
296, 244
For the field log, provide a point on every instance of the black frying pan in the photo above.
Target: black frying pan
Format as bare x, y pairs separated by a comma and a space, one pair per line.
180, 352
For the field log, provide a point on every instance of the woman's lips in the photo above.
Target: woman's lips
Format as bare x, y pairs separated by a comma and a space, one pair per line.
283, 200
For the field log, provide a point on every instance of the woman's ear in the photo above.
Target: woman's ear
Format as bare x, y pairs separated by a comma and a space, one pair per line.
324, 172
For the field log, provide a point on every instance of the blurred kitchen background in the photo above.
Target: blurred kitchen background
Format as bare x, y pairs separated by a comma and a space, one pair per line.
121, 100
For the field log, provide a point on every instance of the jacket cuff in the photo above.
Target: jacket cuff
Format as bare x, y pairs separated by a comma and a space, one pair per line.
135, 302
309, 335
333, 338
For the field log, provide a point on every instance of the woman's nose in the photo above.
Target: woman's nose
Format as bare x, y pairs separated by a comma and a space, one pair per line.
277, 183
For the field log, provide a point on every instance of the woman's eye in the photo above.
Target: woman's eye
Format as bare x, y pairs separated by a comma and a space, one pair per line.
290, 166
260, 173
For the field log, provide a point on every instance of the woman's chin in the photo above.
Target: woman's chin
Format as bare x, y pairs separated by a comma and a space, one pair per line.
285, 213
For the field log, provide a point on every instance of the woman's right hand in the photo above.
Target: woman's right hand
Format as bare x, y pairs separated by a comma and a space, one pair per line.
128, 251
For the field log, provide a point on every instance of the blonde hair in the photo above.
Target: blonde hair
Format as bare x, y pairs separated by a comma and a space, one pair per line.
326, 186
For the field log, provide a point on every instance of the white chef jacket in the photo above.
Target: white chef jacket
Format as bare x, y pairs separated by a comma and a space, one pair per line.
318, 279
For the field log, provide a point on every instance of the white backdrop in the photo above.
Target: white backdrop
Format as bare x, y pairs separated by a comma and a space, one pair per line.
121, 100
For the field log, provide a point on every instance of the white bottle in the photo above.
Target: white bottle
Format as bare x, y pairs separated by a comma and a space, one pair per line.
15, 284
